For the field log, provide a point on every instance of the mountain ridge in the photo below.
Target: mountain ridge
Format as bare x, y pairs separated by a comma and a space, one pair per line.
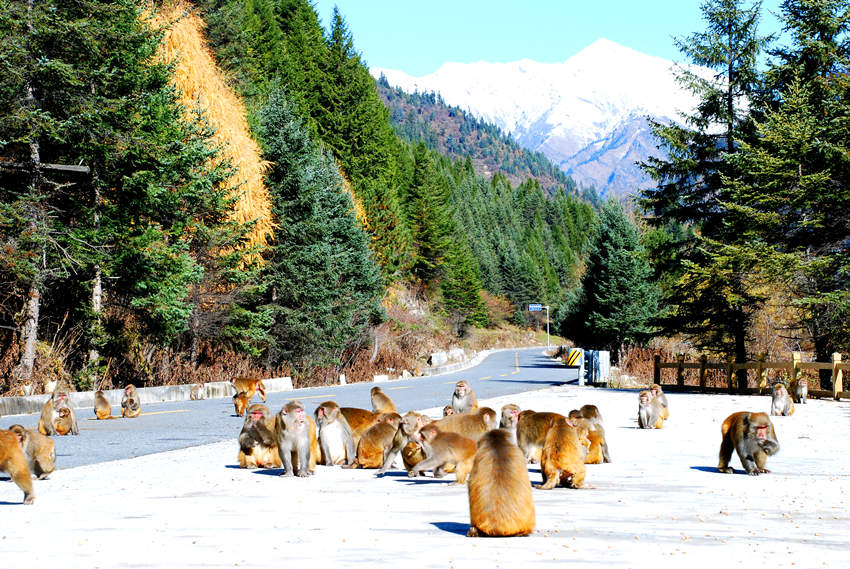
570, 111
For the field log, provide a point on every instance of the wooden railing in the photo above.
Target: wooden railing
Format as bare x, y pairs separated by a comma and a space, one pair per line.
761, 366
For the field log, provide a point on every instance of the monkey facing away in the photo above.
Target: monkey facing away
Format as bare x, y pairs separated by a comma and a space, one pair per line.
500, 497
50, 415
463, 398
13, 461
102, 408
800, 390
377, 442
781, 403
381, 402
443, 449
257, 439
531, 432
335, 437
649, 411
562, 458
240, 403
39, 450
752, 436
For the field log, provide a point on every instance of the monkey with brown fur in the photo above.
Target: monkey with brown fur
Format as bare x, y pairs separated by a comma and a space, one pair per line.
463, 398
531, 432
39, 450
102, 408
443, 449
240, 403
410, 424
447, 410
597, 448
257, 439
295, 439
335, 437
510, 418
471, 425
381, 403
781, 403
131, 405
562, 459
13, 461
659, 396
800, 390
64, 423
50, 415
377, 441
649, 411
198, 392
359, 420
500, 497
250, 385
752, 436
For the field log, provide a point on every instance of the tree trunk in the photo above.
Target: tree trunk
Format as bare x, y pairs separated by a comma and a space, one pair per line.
23, 371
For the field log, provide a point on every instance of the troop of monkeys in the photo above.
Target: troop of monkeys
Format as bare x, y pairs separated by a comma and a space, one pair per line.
488, 452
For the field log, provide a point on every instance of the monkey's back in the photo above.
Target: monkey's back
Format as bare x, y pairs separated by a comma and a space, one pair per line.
500, 496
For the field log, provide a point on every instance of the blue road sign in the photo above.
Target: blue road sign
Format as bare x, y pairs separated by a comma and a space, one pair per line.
535, 307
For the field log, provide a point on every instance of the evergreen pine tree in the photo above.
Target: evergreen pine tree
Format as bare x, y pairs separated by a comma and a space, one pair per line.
324, 289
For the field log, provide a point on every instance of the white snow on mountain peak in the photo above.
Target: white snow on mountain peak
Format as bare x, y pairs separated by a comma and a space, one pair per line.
560, 108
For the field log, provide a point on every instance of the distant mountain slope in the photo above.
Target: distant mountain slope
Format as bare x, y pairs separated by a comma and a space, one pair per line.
457, 133
587, 114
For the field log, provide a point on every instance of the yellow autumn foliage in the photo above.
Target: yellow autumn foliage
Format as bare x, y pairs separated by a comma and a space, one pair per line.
201, 84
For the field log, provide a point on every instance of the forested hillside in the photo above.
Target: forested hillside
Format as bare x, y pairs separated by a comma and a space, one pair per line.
457, 134
231, 198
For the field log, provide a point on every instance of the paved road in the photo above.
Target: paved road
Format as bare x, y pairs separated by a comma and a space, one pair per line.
175, 425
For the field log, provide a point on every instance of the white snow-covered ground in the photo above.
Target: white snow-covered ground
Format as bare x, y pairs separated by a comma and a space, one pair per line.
661, 503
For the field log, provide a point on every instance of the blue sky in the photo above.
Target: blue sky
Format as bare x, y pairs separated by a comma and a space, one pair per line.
418, 37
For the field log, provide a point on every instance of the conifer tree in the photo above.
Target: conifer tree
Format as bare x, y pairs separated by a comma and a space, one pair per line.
618, 298
324, 289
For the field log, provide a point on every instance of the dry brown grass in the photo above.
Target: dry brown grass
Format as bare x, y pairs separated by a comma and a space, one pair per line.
201, 85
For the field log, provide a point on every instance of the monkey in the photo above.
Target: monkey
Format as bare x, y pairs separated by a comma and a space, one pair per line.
295, 439
198, 392
443, 449
590, 412
63, 423
410, 424
50, 414
240, 403
781, 403
411, 454
131, 406
377, 441
800, 390
463, 398
13, 461
381, 403
39, 451
102, 408
531, 432
594, 435
335, 438
447, 410
562, 460
500, 497
472, 424
658, 394
649, 411
250, 386
359, 420
510, 418
257, 439
752, 436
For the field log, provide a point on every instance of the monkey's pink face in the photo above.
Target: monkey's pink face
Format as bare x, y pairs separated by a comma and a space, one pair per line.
320, 412
299, 416
460, 390
761, 432
514, 413
256, 416
644, 398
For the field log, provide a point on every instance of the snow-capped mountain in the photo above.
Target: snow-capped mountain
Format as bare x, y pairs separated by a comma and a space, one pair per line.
587, 114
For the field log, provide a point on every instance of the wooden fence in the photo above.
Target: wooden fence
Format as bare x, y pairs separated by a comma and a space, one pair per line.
760, 366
